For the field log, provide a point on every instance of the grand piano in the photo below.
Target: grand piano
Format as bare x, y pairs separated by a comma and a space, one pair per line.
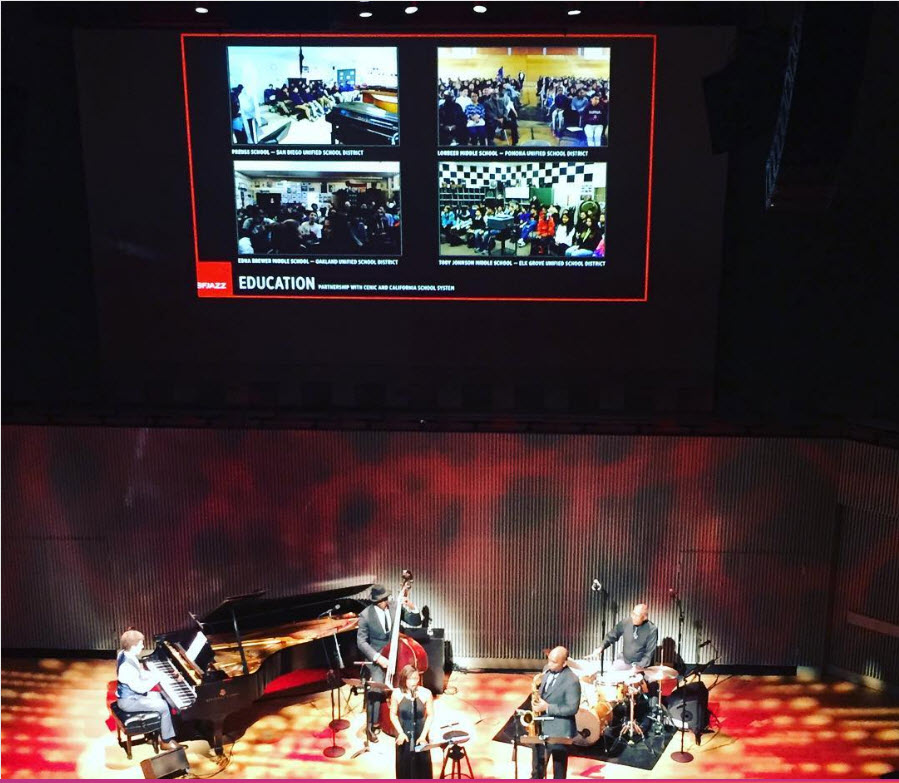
363, 123
233, 656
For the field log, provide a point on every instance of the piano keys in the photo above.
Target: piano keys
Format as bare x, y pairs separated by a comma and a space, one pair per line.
179, 692
364, 124
248, 642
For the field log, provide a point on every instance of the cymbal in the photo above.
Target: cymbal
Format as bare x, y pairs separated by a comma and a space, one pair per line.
583, 667
659, 673
614, 677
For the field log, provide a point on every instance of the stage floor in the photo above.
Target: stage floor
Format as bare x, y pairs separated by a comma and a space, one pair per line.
54, 725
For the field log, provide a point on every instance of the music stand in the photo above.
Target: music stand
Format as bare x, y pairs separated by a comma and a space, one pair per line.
542, 739
516, 739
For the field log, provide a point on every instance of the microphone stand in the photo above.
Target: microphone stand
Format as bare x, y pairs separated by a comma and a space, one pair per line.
337, 723
365, 689
515, 738
603, 608
681, 756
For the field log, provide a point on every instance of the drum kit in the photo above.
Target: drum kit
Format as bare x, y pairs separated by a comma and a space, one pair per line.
604, 694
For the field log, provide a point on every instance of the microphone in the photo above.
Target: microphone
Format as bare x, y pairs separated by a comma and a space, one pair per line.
329, 610
704, 644
596, 586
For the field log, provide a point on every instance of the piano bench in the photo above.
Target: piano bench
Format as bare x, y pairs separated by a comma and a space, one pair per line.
135, 724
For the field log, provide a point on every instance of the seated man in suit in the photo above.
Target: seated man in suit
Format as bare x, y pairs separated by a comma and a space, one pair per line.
135, 689
372, 636
560, 699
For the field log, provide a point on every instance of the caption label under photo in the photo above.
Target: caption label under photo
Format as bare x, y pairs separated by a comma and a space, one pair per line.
320, 261
493, 262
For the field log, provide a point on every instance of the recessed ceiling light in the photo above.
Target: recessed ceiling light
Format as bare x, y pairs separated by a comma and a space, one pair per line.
411, 9
480, 9
365, 14
574, 12
200, 10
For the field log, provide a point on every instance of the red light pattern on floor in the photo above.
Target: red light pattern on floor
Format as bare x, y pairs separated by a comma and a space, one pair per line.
53, 726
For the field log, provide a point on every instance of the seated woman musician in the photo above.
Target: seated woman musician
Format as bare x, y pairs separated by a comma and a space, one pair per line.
135, 687
411, 711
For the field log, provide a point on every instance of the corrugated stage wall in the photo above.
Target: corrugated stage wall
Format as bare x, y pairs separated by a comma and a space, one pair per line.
105, 528
866, 605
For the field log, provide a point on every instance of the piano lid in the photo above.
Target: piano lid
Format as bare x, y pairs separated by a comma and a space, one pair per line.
254, 610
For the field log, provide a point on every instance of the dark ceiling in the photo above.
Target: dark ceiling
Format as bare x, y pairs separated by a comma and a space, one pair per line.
828, 350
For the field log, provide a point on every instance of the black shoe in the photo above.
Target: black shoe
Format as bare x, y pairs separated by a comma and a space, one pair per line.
372, 734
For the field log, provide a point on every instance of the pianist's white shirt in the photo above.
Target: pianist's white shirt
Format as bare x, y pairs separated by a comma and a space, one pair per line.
132, 674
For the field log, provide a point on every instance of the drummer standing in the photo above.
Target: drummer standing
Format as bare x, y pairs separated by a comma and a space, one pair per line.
640, 639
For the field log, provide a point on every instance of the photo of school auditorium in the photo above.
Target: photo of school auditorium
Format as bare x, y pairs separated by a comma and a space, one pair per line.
313, 95
317, 208
536, 208
538, 96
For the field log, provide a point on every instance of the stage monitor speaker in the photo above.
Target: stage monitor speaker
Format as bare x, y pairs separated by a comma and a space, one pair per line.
688, 708
171, 764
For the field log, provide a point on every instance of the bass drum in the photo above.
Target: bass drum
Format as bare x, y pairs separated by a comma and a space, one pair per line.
589, 727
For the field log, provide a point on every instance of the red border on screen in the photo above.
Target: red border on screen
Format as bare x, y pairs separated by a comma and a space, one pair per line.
209, 270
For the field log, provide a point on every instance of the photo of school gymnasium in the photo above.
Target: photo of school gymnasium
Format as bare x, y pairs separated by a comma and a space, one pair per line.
523, 96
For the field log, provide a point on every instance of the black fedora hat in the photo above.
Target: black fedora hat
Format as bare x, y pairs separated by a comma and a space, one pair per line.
379, 593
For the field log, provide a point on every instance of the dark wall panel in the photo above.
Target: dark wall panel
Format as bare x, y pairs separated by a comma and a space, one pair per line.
867, 580
103, 528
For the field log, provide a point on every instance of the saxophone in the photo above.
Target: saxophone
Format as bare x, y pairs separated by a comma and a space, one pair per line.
527, 718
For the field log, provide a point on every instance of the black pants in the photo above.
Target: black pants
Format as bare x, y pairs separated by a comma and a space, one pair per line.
559, 755
375, 698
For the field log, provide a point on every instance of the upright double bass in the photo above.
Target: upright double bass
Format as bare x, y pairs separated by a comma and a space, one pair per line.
400, 651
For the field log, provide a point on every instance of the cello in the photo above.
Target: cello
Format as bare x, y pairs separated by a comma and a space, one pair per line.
400, 651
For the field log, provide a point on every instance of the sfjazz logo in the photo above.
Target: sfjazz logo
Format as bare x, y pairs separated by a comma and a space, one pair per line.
214, 286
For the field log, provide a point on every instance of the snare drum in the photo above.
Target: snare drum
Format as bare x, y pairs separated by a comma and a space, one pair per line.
603, 710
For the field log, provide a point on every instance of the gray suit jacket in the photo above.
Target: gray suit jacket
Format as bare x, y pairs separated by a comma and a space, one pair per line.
564, 700
371, 636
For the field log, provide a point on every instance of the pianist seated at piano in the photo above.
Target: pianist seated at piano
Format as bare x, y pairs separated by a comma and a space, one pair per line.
135, 687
